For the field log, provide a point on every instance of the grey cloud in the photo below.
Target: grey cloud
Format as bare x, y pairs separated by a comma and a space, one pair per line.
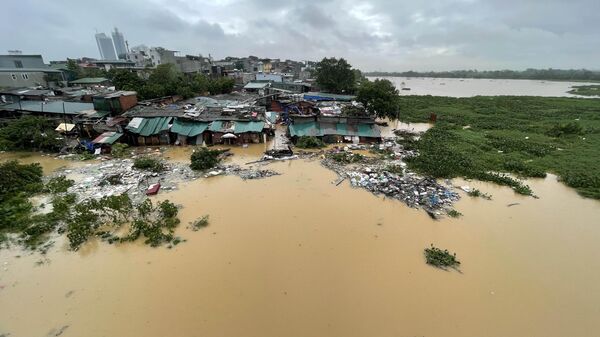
372, 34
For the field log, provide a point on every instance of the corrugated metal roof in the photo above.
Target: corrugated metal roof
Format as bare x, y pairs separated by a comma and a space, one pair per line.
305, 129
256, 85
90, 80
339, 129
368, 130
322, 96
190, 129
70, 108
216, 126
107, 138
241, 127
149, 126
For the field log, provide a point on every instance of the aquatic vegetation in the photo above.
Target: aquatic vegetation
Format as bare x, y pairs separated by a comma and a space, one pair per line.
518, 136
441, 258
475, 193
454, 213
586, 90
200, 223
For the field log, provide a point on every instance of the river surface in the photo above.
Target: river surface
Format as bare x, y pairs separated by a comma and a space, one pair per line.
295, 255
469, 87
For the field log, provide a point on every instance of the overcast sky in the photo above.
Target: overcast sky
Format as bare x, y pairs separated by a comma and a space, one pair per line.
372, 35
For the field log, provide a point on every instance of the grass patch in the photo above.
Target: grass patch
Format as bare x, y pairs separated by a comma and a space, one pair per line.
509, 136
441, 258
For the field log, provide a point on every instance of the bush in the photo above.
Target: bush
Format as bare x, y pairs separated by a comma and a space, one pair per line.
309, 142
204, 159
30, 133
118, 150
58, 184
148, 164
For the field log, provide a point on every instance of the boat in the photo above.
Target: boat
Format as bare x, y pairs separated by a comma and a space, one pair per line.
407, 89
153, 189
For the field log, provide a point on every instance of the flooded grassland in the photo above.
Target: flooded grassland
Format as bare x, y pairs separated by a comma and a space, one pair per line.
296, 255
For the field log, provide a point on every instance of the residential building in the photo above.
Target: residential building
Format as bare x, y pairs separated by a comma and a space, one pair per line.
105, 46
120, 44
27, 71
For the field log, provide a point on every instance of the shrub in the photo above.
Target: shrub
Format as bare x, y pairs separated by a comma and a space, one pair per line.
309, 142
118, 150
346, 157
571, 128
58, 184
148, 164
200, 223
204, 159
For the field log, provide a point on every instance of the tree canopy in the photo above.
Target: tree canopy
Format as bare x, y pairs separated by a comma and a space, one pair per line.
167, 80
335, 75
380, 98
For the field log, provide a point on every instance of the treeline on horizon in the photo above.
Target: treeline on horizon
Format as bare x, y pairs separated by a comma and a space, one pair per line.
529, 74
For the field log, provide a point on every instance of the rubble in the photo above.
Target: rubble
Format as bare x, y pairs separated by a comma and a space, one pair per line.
244, 173
391, 178
117, 176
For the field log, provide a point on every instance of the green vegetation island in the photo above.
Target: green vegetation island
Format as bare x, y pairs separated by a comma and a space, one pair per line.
529, 74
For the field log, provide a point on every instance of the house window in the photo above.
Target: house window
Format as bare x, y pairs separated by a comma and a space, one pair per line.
25, 76
14, 77
18, 64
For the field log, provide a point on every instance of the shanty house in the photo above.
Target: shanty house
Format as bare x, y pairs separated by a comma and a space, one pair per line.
189, 132
150, 131
116, 103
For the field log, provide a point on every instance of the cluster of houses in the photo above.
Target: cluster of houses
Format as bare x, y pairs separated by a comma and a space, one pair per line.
92, 113
99, 119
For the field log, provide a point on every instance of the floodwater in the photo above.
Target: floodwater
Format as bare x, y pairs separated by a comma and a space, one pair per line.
295, 255
468, 87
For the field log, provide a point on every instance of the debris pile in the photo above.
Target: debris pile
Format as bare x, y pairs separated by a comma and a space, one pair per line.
391, 178
115, 177
244, 173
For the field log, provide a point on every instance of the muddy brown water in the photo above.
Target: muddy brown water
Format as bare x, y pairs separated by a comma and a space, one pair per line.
295, 255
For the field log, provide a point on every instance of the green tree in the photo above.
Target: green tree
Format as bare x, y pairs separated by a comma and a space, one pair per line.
380, 98
30, 133
124, 79
335, 76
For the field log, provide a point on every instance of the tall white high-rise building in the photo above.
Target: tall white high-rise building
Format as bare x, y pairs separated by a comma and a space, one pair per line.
120, 46
105, 46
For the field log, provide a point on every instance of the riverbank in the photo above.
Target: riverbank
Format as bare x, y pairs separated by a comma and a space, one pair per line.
524, 136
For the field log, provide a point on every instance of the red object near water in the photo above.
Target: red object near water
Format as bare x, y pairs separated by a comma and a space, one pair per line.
153, 189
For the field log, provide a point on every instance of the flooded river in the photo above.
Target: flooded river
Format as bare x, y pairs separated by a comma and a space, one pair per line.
468, 87
295, 255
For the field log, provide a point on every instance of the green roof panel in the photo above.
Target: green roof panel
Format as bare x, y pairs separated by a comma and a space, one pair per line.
241, 127
190, 129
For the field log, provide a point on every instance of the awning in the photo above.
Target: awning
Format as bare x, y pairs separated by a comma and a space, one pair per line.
107, 138
190, 129
216, 126
305, 129
368, 130
241, 127
149, 126
64, 127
